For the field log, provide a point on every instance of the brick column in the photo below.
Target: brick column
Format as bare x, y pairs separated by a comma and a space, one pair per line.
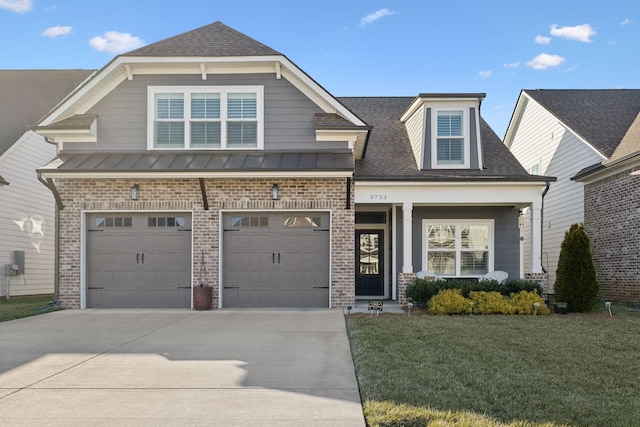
404, 280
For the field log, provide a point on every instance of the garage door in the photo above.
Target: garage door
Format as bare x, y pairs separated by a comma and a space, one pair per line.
138, 260
276, 260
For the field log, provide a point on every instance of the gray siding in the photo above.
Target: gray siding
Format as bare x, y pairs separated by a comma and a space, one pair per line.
427, 138
506, 233
473, 139
288, 113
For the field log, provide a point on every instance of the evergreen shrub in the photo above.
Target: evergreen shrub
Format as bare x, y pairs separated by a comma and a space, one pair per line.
576, 282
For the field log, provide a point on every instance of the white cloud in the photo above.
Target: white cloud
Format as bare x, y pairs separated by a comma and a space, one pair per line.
372, 17
512, 65
627, 21
485, 74
544, 61
116, 42
580, 33
18, 6
57, 31
543, 40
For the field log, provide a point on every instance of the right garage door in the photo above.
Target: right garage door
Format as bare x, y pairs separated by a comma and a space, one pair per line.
276, 259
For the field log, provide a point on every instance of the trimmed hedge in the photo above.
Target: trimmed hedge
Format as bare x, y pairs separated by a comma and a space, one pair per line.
422, 290
451, 301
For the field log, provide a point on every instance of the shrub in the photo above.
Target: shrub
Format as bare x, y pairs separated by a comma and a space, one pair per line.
490, 303
518, 285
522, 303
449, 301
422, 290
576, 276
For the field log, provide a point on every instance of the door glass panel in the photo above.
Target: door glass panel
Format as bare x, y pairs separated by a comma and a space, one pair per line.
369, 254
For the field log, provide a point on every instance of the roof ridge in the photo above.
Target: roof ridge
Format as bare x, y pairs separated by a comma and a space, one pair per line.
211, 40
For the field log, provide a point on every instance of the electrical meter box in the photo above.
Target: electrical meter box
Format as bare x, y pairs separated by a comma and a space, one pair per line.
18, 259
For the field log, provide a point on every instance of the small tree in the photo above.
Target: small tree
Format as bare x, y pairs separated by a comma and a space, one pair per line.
576, 275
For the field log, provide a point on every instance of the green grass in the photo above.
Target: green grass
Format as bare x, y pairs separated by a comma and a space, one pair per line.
18, 307
553, 370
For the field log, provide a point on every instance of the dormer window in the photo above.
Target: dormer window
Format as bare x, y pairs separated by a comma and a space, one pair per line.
205, 117
451, 148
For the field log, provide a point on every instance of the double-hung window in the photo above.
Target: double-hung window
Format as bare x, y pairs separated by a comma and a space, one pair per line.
458, 248
451, 148
205, 117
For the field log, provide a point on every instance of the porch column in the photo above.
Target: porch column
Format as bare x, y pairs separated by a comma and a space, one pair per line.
407, 223
536, 237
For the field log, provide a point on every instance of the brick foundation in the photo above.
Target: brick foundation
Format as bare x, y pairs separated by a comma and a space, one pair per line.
326, 194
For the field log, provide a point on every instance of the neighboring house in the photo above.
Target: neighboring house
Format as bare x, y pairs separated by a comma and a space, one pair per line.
565, 133
612, 217
210, 158
27, 209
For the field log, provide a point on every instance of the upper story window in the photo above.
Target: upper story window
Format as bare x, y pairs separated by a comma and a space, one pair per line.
451, 148
205, 117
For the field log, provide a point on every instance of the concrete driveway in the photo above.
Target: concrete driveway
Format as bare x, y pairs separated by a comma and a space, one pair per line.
178, 367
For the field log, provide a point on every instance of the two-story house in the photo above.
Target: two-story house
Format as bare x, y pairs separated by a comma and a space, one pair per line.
586, 138
210, 158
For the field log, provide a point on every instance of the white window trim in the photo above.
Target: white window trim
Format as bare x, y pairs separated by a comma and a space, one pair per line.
490, 223
187, 91
466, 146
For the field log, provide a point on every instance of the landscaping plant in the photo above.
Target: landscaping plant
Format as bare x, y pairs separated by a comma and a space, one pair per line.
576, 282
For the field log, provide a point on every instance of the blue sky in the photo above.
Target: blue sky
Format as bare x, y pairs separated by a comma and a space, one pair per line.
361, 48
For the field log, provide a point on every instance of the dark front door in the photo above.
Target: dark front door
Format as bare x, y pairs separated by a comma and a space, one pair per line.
369, 263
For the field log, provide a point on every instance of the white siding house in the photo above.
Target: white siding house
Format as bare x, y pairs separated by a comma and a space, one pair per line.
27, 213
27, 208
555, 133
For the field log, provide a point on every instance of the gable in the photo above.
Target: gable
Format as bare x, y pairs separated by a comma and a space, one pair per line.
390, 156
600, 117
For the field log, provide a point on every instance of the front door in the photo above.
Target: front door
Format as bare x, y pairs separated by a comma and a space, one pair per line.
369, 263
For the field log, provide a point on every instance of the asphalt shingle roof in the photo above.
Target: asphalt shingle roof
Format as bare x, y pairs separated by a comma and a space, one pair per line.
27, 95
599, 116
213, 40
389, 154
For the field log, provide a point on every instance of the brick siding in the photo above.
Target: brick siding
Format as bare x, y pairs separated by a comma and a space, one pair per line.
404, 280
612, 221
328, 194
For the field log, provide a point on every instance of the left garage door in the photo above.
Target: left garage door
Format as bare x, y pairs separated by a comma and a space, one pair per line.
139, 260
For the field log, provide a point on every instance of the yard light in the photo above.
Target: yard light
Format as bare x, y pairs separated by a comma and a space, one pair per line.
535, 307
608, 306
410, 306
471, 307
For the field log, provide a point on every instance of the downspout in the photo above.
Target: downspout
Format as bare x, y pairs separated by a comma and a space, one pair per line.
544, 193
59, 206
56, 240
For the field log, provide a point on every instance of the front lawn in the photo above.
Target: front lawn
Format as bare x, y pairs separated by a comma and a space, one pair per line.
18, 307
553, 370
